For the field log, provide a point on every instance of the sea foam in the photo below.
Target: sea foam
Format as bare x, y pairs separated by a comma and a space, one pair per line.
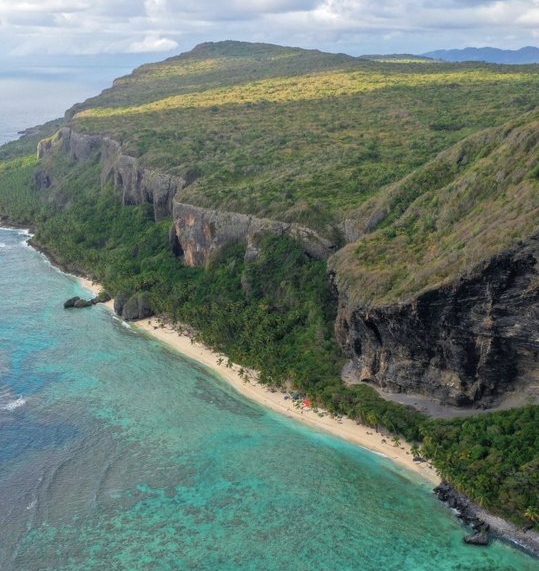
14, 404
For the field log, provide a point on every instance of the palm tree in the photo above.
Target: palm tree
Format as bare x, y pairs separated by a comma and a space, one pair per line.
415, 450
532, 514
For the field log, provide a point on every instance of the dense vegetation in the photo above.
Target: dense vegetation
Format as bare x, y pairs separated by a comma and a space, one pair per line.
314, 138
295, 134
493, 458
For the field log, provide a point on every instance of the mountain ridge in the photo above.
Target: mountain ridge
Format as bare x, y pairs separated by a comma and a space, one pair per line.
524, 55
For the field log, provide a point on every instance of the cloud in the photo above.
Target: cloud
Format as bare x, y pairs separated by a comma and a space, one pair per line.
353, 26
46, 6
153, 44
530, 18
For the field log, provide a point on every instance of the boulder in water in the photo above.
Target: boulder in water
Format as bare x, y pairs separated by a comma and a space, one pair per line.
477, 538
76, 302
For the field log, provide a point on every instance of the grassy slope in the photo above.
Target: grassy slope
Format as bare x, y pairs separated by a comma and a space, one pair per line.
472, 202
299, 135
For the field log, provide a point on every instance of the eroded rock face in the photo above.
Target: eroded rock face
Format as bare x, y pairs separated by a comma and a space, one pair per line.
468, 342
135, 183
200, 233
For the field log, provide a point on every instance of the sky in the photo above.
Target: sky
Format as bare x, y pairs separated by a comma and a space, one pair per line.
150, 30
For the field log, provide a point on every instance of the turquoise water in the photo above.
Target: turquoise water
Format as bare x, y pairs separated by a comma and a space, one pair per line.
118, 454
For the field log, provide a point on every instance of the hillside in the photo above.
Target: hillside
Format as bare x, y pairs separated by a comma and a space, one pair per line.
472, 202
297, 135
303, 210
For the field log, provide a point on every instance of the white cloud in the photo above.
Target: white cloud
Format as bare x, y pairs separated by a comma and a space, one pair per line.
8, 7
353, 26
530, 18
153, 44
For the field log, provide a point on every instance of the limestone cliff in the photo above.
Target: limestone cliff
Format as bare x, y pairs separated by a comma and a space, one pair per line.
200, 233
464, 343
135, 183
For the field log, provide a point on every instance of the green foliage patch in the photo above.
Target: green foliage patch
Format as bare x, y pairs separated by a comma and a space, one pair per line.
19, 198
494, 458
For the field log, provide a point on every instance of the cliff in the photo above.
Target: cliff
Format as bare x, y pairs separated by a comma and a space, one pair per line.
468, 341
198, 234
439, 285
133, 182
465, 343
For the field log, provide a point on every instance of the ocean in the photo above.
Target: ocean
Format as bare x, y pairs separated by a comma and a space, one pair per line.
116, 453
31, 96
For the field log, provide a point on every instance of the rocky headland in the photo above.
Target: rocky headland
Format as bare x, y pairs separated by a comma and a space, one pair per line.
467, 343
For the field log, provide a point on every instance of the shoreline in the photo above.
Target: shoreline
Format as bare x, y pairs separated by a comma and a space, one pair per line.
275, 399
343, 428
282, 403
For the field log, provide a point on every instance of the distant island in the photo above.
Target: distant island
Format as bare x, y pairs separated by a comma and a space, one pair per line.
525, 55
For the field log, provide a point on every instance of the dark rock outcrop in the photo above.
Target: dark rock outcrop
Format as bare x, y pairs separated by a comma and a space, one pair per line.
465, 343
483, 524
77, 302
466, 511
133, 306
477, 538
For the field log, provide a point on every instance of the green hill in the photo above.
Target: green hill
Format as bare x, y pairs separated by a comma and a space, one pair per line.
475, 200
298, 135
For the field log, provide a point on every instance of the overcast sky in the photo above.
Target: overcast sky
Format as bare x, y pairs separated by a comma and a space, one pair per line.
159, 28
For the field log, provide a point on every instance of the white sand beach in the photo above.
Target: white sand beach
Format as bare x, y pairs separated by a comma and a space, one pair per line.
275, 400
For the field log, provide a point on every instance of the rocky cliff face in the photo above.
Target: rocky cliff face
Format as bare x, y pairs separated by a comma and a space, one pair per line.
200, 233
135, 183
465, 343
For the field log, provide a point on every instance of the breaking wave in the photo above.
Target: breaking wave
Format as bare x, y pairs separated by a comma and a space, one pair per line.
14, 404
